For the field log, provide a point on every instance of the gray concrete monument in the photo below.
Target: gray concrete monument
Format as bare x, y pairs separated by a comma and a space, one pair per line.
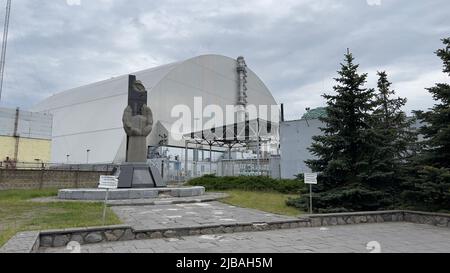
137, 123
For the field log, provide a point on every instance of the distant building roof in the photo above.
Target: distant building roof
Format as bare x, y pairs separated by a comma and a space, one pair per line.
315, 113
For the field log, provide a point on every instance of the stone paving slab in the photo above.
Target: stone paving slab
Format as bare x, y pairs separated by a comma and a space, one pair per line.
207, 197
393, 238
191, 215
22, 242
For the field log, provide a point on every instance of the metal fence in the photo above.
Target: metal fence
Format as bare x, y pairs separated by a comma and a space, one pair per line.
176, 171
244, 167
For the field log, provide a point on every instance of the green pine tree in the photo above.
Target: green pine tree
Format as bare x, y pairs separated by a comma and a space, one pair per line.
394, 143
431, 188
344, 151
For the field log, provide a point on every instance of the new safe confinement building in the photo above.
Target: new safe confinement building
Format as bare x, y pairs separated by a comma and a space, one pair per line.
87, 121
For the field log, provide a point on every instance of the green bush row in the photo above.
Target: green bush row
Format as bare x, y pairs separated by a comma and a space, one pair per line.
252, 183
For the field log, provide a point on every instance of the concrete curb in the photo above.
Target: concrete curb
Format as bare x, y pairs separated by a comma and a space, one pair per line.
23, 242
32, 241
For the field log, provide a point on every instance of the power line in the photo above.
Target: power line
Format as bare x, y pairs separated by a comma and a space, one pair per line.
4, 44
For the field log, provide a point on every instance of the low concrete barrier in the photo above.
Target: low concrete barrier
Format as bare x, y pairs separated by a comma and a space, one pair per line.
335, 219
23, 242
59, 238
45, 179
127, 194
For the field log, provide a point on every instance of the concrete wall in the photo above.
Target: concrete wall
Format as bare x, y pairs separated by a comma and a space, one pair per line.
50, 179
28, 150
295, 139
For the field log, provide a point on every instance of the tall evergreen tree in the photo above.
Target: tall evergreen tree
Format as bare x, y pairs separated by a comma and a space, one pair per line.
431, 190
344, 150
394, 142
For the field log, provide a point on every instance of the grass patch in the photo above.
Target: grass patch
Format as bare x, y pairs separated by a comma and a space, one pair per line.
16, 195
272, 202
17, 213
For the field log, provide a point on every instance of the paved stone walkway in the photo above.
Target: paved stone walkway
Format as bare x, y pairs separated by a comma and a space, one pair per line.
392, 237
189, 215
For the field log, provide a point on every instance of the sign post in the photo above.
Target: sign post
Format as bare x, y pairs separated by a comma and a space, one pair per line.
108, 183
311, 179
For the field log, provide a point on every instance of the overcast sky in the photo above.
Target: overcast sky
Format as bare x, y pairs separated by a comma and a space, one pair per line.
294, 46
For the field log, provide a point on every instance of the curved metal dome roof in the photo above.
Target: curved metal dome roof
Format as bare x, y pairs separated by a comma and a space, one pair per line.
90, 116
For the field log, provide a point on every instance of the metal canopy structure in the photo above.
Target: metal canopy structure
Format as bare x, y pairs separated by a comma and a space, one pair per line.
248, 134
241, 133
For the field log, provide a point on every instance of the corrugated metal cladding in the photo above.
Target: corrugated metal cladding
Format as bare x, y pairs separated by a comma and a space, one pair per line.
30, 125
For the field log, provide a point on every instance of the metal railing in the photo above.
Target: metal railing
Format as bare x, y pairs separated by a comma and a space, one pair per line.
174, 171
244, 167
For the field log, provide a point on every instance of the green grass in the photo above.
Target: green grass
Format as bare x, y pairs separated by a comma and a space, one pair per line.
17, 213
272, 202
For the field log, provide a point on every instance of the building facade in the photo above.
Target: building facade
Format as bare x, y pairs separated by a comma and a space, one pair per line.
295, 139
24, 136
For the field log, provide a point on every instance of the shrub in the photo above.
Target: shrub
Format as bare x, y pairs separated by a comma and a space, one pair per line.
348, 199
251, 183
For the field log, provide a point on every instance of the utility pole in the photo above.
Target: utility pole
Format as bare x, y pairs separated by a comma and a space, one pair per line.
4, 44
258, 150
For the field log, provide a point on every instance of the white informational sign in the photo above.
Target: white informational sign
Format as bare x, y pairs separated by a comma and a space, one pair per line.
108, 182
311, 178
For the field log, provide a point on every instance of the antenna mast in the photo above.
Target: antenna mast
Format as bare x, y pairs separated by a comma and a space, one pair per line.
4, 44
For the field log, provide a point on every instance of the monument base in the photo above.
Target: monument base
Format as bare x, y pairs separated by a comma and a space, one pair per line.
139, 175
129, 194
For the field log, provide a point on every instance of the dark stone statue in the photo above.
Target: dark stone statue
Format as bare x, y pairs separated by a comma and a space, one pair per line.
137, 123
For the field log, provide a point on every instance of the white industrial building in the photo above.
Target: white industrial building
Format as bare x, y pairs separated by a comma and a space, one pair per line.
88, 119
295, 139
18, 122
25, 137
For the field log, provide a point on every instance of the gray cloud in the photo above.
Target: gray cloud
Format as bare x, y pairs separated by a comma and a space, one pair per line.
294, 46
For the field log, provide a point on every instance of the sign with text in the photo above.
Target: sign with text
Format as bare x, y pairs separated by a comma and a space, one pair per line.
108, 182
311, 178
